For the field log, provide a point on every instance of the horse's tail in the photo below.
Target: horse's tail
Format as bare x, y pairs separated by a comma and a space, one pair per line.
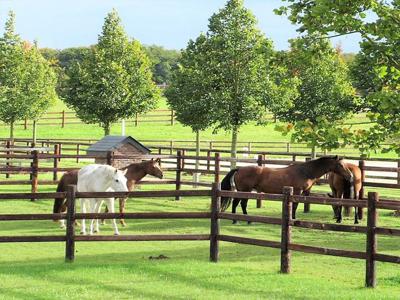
348, 188
227, 185
58, 202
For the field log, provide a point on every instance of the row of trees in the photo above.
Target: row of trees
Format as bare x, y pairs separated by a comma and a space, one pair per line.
231, 75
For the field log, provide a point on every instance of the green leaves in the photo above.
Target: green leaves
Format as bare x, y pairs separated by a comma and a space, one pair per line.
27, 81
113, 80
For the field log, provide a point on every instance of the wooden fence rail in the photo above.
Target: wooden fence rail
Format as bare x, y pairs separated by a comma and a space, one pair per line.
215, 215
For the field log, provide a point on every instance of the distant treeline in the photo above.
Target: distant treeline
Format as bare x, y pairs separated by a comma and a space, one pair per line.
163, 60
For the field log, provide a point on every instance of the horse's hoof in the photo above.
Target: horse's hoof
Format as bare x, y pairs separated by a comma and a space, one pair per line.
355, 222
338, 221
249, 223
83, 232
123, 223
116, 233
234, 222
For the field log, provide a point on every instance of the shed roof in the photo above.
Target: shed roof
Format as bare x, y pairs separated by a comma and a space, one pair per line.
113, 142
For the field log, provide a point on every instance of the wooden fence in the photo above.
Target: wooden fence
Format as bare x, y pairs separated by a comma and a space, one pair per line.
371, 255
64, 118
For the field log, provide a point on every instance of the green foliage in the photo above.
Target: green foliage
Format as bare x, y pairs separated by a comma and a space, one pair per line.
27, 82
325, 95
163, 63
226, 75
378, 73
113, 81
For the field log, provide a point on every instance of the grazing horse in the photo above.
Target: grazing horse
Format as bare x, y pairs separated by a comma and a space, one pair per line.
135, 172
348, 189
100, 178
300, 176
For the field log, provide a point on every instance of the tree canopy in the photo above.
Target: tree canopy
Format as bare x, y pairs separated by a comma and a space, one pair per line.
113, 81
27, 82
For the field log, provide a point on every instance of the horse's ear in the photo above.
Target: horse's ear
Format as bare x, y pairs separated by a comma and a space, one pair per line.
116, 171
337, 157
124, 172
158, 160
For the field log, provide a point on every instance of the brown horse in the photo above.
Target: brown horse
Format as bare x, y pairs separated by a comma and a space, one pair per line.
348, 189
135, 173
300, 176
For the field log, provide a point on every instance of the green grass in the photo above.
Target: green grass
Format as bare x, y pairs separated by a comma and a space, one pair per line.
121, 270
163, 131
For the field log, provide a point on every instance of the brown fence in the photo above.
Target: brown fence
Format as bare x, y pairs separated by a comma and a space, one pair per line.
36, 163
371, 255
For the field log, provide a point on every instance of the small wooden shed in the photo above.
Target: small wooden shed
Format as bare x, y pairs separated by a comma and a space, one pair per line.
119, 145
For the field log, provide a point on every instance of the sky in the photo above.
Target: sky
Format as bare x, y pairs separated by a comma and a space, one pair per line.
170, 23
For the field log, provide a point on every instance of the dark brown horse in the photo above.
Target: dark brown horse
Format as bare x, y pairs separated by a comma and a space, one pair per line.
346, 189
135, 173
300, 176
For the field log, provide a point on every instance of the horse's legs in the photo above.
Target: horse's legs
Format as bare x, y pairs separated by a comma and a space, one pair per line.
99, 202
63, 210
122, 202
110, 205
243, 204
294, 208
339, 214
235, 203
83, 210
93, 208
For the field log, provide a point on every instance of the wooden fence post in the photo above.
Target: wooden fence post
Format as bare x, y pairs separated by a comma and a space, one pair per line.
361, 165
8, 146
178, 172
63, 119
208, 160
55, 163
35, 166
370, 274
288, 147
77, 152
59, 151
172, 117
70, 230
259, 163
215, 208
286, 229
217, 167
26, 123
171, 147
307, 206
136, 120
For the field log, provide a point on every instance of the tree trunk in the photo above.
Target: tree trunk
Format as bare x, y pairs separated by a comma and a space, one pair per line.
34, 133
12, 130
235, 132
314, 152
196, 176
106, 129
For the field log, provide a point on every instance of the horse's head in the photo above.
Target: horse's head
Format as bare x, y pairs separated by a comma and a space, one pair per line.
153, 168
339, 167
119, 180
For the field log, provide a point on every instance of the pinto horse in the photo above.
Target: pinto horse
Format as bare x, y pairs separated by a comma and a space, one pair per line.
135, 172
300, 176
348, 189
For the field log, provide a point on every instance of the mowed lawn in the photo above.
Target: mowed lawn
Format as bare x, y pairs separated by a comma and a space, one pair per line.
124, 270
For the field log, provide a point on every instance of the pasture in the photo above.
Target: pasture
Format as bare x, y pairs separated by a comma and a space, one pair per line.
119, 270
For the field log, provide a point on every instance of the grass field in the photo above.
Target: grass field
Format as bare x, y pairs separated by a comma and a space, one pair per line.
123, 270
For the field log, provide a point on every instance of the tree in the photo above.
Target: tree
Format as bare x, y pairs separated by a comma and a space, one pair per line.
163, 62
230, 72
188, 93
325, 94
380, 42
27, 82
113, 81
